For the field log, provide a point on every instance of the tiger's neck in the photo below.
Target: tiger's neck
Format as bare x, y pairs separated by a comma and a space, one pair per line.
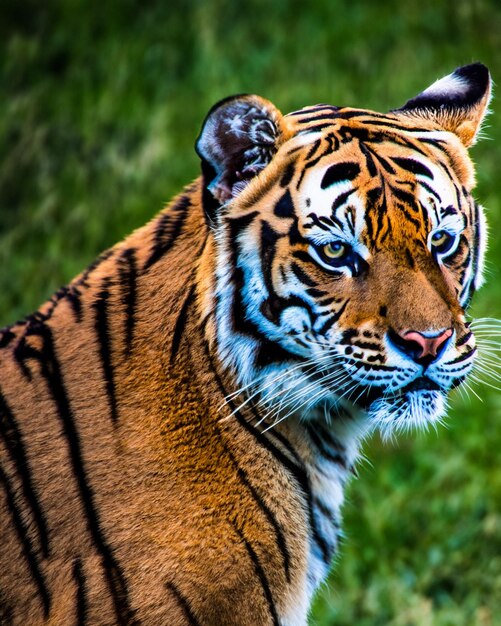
318, 446
320, 456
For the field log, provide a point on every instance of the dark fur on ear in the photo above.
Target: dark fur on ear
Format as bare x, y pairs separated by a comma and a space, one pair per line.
239, 137
458, 102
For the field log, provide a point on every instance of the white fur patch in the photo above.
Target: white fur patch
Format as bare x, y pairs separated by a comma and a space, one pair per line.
448, 86
416, 411
483, 233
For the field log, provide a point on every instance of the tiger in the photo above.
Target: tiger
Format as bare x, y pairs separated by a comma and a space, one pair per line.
180, 421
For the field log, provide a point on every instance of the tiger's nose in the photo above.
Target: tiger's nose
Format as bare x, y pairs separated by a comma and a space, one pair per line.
423, 349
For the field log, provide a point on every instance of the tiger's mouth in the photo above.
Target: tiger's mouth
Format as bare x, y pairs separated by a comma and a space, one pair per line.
414, 406
368, 395
423, 383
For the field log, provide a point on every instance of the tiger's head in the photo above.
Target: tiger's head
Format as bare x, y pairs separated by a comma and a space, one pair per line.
347, 247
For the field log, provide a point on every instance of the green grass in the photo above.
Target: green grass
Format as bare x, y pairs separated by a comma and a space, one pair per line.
100, 107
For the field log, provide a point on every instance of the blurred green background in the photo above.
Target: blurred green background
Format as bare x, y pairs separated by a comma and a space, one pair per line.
100, 106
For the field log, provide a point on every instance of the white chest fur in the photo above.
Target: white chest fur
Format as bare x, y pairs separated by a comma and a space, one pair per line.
334, 449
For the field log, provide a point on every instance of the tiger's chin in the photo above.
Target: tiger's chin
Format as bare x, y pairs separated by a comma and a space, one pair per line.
409, 410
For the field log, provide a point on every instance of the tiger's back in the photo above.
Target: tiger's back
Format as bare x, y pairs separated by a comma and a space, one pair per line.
140, 481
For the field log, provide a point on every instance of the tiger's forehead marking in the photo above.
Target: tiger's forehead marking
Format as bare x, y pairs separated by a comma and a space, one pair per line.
366, 169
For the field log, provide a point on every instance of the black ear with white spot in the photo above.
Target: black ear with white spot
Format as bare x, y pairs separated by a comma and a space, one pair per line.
458, 102
239, 137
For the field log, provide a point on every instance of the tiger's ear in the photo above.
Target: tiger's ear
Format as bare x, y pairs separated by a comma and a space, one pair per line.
239, 137
458, 102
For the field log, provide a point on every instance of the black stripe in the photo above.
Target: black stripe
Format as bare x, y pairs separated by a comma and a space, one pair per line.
298, 471
287, 175
21, 352
51, 372
332, 144
70, 293
371, 115
294, 150
258, 568
167, 229
332, 319
405, 210
464, 339
369, 160
327, 301
386, 165
412, 143
333, 456
332, 116
439, 144
312, 110
280, 539
276, 435
81, 593
476, 247
369, 345
430, 189
413, 166
269, 352
341, 199
237, 225
28, 550
6, 337
302, 255
181, 323
451, 210
328, 221
127, 267
462, 357
11, 434
374, 200
384, 227
314, 114
316, 293
313, 149
370, 135
73, 297
315, 221
315, 128
339, 172
302, 275
325, 510
183, 603
409, 199
398, 127
239, 319
410, 261
103, 334
308, 165
284, 207
82, 281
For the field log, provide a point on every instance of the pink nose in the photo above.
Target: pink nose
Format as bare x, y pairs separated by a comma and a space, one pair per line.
422, 347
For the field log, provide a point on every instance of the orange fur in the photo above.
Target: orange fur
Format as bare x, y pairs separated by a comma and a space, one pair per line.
134, 491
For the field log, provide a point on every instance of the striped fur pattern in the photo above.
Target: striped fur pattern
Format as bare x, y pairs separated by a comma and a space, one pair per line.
177, 425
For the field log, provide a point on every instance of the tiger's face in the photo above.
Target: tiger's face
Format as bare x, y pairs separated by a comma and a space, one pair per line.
345, 265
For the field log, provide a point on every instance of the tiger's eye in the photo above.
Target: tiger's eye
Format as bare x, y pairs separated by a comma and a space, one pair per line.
335, 250
442, 241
